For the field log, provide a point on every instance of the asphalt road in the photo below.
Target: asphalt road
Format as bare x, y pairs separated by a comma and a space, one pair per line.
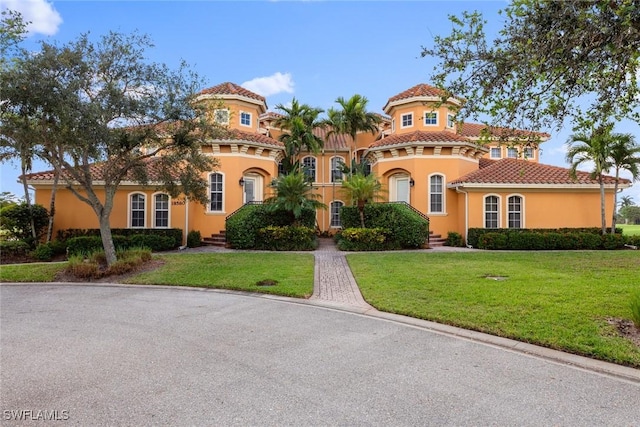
102, 355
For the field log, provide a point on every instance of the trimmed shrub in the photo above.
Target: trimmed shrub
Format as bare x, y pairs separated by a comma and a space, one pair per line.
88, 244
43, 252
407, 229
287, 238
242, 227
548, 239
13, 248
194, 239
493, 241
362, 239
152, 241
454, 239
174, 233
613, 241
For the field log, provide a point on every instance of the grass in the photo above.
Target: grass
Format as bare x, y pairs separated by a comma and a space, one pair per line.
559, 300
292, 273
629, 229
32, 272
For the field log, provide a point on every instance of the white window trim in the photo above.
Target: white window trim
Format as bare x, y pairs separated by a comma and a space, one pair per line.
340, 158
451, 118
129, 219
215, 119
424, 118
402, 126
393, 125
315, 166
250, 118
484, 210
491, 152
224, 184
444, 194
533, 153
522, 210
153, 215
517, 153
331, 213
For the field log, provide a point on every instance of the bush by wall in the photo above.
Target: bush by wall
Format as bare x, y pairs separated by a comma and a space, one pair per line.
454, 239
242, 228
407, 229
562, 239
13, 248
85, 245
194, 239
152, 241
286, 238
174, 233
363, 239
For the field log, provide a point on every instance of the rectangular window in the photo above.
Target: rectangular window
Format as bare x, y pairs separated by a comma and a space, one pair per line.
245, 119
407, 120
161, 211
491, 212
496, 152
335, 214
216, 192
436, 194
309, 168
137, 210
450, 121
515, 212
528, 152
221, 116
336, 172
512, 153
430, 119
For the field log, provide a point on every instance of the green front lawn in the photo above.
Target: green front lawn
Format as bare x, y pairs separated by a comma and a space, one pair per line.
31, 272
238, 271
556, 299
629, 229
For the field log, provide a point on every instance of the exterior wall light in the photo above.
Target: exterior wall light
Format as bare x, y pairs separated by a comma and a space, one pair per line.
411, 182
241, 182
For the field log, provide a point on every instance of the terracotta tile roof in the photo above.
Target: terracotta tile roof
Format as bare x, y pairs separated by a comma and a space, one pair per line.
152, 163
420, 136
229, 88
335, 141
235, 134
474, 130
417, 91
271, 115
519, 171
383, 117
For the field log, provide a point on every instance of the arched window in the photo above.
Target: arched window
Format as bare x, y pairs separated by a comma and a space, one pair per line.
137, 210
336, 171
514, 211
216, 182
161, 210
309, 168
436, 194
491, 212
335, 213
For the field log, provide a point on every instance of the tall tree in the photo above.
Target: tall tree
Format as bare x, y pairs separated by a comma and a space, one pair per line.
107, 102
593, 147
352, 117
626, 201
624, 155
294, 193
552, 61
298, 122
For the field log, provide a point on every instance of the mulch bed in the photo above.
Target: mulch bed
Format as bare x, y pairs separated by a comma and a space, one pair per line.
627, 329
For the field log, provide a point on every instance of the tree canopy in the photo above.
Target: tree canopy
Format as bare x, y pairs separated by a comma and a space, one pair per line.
100, 114
552, 60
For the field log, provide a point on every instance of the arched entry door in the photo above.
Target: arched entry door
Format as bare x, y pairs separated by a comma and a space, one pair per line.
252, 191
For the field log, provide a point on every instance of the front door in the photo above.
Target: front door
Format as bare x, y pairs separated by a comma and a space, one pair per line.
402, 189
249, 189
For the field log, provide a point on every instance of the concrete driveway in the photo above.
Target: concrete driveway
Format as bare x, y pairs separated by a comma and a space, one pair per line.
117, 355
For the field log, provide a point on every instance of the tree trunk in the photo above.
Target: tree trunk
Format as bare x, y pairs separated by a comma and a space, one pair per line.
27, 200
107, 239
52, 205
603, 215
361, 210
615, 203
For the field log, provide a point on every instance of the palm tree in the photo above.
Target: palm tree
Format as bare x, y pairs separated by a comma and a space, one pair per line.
298, 122
626, 201
294, 193
352, 118
594, 147
362, 189
624, 155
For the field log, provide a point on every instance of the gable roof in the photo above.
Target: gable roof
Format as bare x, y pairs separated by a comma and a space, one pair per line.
524, 172
420, 136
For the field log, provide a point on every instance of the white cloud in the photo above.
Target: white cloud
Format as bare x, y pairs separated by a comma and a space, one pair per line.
271, 85
41, 15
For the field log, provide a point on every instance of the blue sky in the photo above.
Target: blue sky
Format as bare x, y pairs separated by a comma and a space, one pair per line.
313, 50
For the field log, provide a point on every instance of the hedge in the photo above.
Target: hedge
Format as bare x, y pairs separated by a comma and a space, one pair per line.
565, 240
243, 227
407, 229
363, 239
286, 238
84, 245
174, 233
473, 235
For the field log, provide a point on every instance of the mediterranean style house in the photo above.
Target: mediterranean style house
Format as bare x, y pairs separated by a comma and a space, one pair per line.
460, 176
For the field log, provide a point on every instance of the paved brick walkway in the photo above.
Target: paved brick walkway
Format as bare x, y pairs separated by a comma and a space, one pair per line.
333, 280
